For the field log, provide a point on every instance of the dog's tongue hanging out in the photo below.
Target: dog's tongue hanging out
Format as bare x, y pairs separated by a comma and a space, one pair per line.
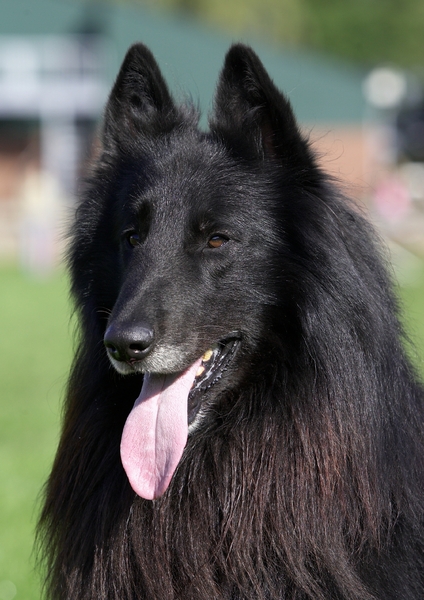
156, 430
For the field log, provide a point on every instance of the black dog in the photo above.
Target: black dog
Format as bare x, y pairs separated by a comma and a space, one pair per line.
275, 447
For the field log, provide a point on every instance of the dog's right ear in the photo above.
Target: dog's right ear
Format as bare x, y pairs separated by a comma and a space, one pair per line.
139, 103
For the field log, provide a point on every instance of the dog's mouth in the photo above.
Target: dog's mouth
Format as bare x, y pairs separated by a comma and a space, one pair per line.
214, 363
156, 430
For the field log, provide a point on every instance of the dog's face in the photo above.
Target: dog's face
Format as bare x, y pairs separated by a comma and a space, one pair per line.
194, 240
193, 258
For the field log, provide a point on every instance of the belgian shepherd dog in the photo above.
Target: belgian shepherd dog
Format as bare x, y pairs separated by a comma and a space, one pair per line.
241, 420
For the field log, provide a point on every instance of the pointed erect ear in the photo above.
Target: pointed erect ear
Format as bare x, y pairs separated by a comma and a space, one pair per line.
249, 109
139, 102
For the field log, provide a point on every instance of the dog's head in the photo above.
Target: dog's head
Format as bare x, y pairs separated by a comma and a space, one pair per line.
192, 227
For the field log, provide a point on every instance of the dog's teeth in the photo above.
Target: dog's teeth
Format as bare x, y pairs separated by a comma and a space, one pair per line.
207, 355
200, 371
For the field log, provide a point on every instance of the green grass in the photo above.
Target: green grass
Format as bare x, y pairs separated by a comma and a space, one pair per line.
409, 272
35, 351
35, 355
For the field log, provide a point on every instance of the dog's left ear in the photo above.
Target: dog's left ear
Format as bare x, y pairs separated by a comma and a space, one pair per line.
248, 106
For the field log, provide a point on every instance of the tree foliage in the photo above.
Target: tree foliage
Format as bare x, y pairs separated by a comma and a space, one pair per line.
366, 31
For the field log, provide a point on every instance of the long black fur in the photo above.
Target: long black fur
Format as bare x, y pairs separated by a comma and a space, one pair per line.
304, 479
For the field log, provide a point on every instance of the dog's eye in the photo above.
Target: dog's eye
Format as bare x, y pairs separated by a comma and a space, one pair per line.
216, 241
133, 238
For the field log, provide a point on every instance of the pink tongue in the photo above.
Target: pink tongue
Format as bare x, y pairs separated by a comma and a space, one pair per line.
156, 430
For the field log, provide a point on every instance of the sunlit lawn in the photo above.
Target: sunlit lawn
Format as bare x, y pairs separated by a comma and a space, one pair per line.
35, 342
34, 358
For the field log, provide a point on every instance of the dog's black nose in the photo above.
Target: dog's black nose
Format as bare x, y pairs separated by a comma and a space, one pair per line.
128, 344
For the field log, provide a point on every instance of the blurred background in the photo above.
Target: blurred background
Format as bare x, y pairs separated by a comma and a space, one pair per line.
354, 72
